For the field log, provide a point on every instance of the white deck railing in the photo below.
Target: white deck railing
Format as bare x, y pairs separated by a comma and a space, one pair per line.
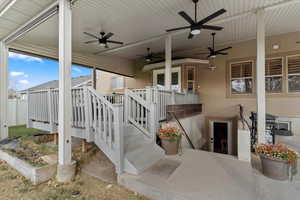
139, 112
105, 121
145, 108
100, 119
115, 98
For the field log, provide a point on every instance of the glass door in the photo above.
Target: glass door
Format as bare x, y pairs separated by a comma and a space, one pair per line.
159, 78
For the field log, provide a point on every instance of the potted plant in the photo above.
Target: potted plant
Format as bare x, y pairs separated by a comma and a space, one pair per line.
170, 140
276, 160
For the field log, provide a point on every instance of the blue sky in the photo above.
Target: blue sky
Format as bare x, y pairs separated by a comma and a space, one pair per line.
27, 71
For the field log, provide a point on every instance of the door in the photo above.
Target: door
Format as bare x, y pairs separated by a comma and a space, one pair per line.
221, 137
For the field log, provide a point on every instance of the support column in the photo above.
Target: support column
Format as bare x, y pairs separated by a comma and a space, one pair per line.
260, 77
94, 78
168, 67
66, 168
3, 90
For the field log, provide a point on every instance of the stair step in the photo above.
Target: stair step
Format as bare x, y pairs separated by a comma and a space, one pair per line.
143, 157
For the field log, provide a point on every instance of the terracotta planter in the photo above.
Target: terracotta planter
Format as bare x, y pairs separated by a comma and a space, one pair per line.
275, 169
170, 146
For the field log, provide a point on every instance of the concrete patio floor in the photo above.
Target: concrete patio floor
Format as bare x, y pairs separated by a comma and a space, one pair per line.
200, 175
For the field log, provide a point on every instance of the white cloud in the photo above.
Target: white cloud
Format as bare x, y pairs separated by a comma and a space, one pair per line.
25, 57
25, 82
17, 73
26, 75
76, 69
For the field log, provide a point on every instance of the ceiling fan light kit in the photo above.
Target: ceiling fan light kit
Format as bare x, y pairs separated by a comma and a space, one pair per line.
195, 27
195, 31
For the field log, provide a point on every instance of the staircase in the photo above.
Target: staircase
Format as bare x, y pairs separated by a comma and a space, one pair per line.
123, 127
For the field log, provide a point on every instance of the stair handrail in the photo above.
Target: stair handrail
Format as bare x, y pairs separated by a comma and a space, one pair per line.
173, 114
114, 113
141, 113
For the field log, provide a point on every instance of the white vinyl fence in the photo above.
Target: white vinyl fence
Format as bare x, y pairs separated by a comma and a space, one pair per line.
17, 112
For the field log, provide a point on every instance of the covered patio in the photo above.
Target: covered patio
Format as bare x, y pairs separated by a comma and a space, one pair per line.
125, 129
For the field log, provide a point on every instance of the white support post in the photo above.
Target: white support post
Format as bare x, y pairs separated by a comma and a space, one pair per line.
66, 168
260, 77
3, 90
87, 111
28, 110
153, 121
173, 101
51, 120
118, 123
168, 67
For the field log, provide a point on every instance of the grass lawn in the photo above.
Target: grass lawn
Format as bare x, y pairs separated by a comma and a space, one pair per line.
17, 131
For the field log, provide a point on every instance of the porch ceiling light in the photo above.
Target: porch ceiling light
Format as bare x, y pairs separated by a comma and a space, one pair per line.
276, 46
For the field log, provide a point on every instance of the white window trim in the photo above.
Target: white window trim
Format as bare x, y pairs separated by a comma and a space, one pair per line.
287, 74
282, 75
162, 71
249, 77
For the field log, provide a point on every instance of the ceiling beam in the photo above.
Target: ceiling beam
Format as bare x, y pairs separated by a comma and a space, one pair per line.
32, 23
7, 7
215, 22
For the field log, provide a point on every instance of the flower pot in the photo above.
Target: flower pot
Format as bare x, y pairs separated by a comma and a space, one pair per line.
170, 145
275, 169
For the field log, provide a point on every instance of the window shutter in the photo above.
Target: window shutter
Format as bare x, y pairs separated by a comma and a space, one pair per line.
273, 66
241, 70
294, 65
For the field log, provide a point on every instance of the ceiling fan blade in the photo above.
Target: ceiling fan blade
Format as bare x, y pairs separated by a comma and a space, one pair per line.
114, 42
186, 17
214, 28
202, 53
224, 49
221, 53
180, 28
210, 49
190, 36
108, 35
91, 35
212, 16
92, 41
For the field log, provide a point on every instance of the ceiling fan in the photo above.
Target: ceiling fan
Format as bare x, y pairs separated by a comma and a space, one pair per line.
196, 25
103, 40
212, 52
150, 56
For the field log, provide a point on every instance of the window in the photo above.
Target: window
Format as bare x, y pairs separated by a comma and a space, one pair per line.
293, 63
159, 78
191, 79
274, 75
241, 77
117, 83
